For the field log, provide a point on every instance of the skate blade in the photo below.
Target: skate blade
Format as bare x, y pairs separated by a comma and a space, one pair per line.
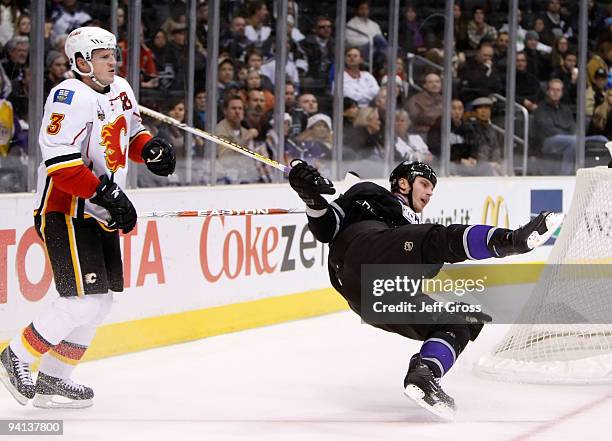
58, 402
553, 222
438, 409
4, 377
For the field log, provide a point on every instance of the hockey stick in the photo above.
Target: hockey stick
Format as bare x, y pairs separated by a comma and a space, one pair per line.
214, 138
223, 212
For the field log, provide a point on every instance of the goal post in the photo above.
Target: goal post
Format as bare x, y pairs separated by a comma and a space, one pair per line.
576, 283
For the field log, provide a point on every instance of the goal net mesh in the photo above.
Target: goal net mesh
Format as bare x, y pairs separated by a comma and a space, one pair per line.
574, 293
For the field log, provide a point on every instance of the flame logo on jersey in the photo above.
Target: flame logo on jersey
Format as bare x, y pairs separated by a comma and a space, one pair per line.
111, 140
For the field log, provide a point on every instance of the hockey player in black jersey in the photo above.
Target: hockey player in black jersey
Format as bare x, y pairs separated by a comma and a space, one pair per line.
370, 225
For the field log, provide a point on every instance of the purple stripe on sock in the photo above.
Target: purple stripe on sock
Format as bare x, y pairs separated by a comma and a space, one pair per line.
440, 351
477, 242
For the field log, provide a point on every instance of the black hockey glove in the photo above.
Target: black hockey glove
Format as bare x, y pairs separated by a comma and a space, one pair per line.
309, 184
524, 239
159, 157
110, 196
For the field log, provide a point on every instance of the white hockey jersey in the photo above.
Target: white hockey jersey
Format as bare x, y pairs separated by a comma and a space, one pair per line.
83, 126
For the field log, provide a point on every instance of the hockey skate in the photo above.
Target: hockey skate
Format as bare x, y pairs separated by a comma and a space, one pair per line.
56, 393
16, 376
424, 388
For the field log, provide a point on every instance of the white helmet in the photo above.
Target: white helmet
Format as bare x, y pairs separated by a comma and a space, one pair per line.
84, 41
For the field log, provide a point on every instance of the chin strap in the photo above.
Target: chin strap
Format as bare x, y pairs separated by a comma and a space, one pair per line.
90, 74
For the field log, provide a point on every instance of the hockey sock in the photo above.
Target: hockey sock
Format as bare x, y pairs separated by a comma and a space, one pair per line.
477, 241
61, 360
29, 345
57, 321
440, 351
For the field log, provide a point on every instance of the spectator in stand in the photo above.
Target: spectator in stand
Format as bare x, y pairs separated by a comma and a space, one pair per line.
17, 49
365, 141
291, 69
315, 143
9, 13
605, 34
24, 26
425, 107
596, 92
177, 58
309, 103
409, 147
68, 16
121, 23
56, 68
479, 76
554, 25
290, 97
487, 141
560, 48
361, 22
176, 19
20, 95
234, 40
256, 30
253, 81
349, 112
199, 110
319, 49
160, 50
460, 23
602, 59
410, 38
521, 32
601, 123
254, 59
538, 62
359, 85
254, 116
148, 70
463, 154
500, 53
172, 134
479, 30
202, 23
568, 74
556, 128
225, 74
527, 84
233, 167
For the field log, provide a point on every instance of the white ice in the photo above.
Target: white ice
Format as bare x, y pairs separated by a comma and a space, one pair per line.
326, 378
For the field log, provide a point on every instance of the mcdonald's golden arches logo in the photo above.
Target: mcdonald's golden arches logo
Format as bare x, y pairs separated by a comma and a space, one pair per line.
495, 208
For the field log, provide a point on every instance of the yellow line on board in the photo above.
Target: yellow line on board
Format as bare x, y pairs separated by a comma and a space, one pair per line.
138, 335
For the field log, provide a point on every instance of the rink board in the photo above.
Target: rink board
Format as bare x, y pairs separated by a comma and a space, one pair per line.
189, 278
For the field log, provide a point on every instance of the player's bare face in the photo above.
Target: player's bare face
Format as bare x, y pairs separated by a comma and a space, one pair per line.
422, 190
104, 65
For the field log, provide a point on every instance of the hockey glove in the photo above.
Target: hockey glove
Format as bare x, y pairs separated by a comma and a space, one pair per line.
524, 239
110, 196
159, 157
309, 184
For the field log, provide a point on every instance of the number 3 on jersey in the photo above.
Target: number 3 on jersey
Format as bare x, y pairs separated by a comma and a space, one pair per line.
55, 125
111, 140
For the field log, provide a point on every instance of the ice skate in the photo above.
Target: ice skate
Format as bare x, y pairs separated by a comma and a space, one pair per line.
524, 239
424, 388
16, 376
56, 393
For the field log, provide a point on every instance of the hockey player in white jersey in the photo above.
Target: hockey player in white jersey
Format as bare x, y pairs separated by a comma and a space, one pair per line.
90, 128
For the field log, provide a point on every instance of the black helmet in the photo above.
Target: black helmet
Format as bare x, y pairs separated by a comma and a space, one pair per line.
410, 170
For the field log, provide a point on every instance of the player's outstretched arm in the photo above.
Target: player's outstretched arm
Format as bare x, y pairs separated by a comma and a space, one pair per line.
308, 183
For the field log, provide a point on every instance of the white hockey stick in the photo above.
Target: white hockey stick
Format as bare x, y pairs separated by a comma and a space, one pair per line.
214, 138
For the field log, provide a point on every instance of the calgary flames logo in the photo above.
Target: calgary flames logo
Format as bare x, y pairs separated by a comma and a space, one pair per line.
111, 140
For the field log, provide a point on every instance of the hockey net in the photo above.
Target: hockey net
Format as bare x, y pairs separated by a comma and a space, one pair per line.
567, 353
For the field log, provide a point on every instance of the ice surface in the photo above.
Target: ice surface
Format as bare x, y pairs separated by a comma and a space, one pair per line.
327, 378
